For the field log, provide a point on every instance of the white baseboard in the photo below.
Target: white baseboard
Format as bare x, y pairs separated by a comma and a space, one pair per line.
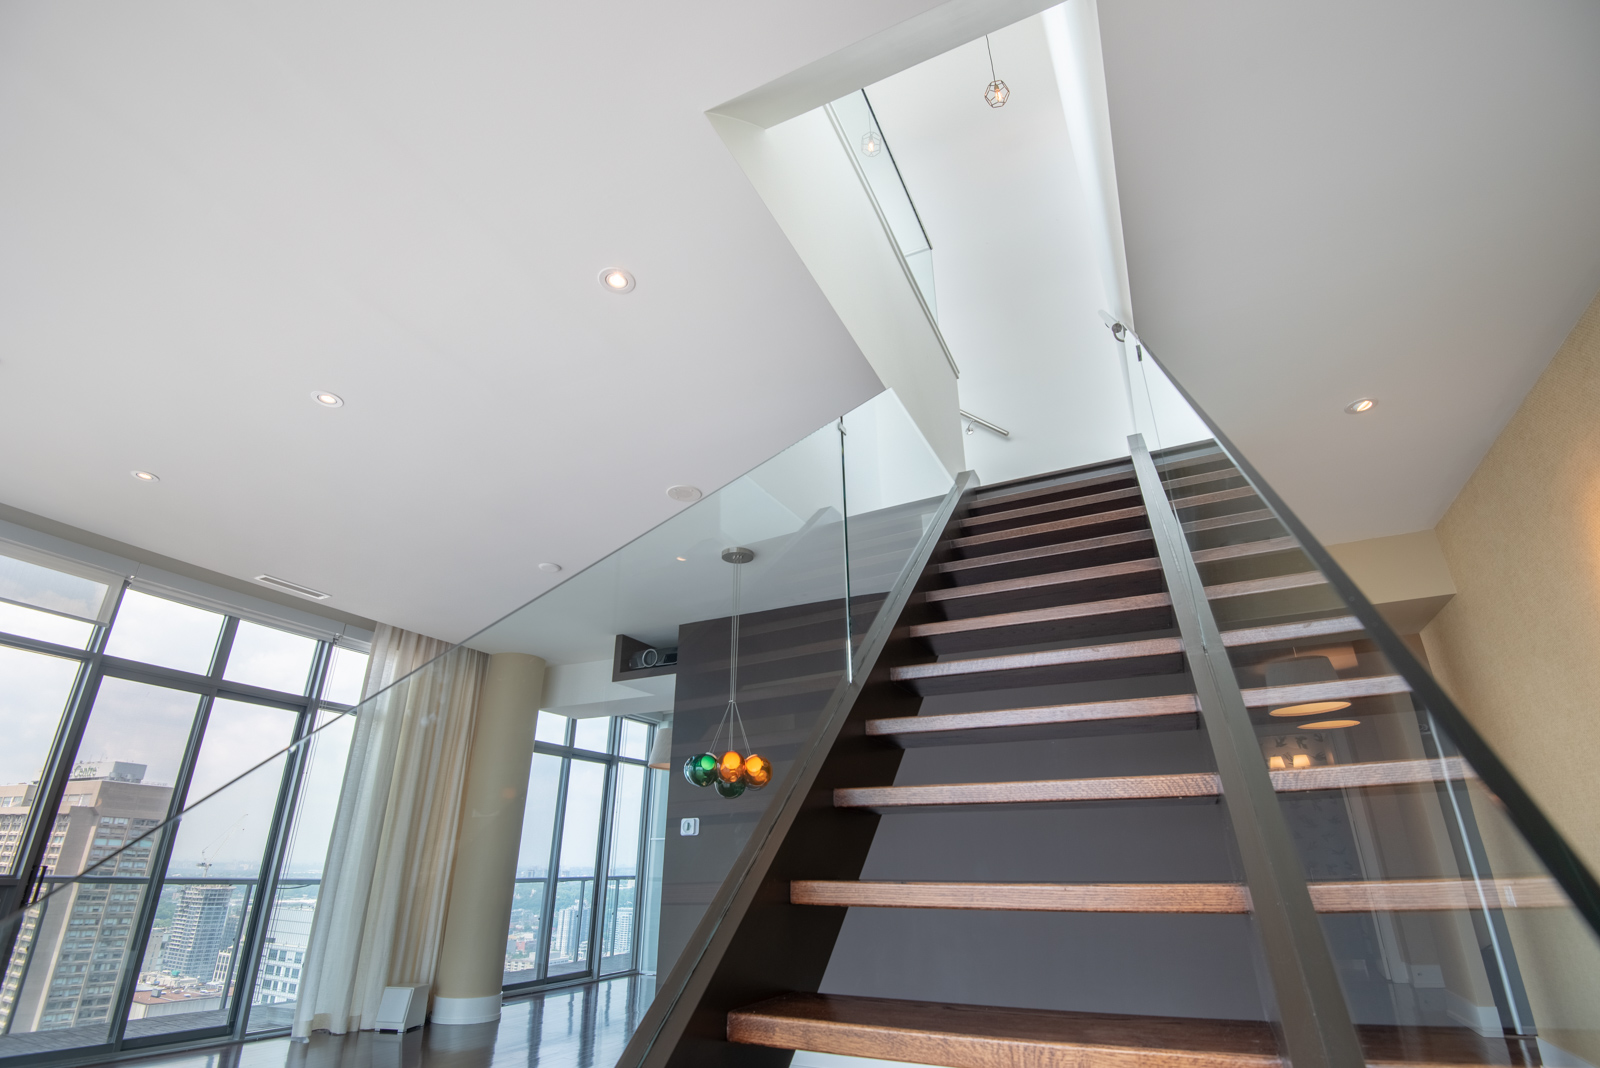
465, 1010
1484, 1019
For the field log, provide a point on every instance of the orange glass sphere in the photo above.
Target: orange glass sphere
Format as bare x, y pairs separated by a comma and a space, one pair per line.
731, 768
757, 771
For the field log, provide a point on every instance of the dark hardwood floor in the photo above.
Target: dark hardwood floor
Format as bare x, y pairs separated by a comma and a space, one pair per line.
577, 1027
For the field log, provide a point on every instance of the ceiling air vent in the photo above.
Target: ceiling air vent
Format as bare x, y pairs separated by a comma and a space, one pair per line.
291, 587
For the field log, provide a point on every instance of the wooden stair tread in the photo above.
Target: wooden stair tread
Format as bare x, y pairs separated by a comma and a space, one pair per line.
1216, 497
1045, 714
1147, 787
1005, 495
1113, 606
1044, 551
1279, 632
1335, 690
1053, 527
1368, 895
1133, 708
1094, 518
1054, 578
984, 1036
1078, 654
1129, 537
1055, 613
1140, 566
987, 519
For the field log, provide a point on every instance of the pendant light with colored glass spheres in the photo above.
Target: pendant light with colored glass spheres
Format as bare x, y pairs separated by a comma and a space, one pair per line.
731, 773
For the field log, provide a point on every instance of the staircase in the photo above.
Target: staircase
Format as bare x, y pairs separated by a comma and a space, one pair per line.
1021, 814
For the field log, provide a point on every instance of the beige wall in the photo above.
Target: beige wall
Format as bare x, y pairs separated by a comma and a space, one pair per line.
1519, 645
1405, 576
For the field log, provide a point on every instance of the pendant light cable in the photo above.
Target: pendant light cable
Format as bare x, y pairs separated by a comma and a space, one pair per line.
730, 715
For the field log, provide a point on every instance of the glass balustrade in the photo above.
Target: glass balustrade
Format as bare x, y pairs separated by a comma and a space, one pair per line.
177, 897
1454, 913
874, 161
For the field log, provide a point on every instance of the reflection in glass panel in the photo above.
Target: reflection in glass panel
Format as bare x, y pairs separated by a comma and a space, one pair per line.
44, 626
157, 631
283, 954
592, 734
34, 689
346, 674
270, 658
522, 939
52, 590
580, 825
1435, 908
635, 743
186, 977
329, 751
625, 820
551, 728
64, 973
621, 906
539, 817
570, 924
277, 982
894, 483
127, 760
226, 834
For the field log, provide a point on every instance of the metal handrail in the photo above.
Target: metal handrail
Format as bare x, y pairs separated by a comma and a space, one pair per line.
1313, 1016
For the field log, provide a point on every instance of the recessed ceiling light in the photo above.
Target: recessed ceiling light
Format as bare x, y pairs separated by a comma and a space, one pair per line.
549, 568
145, 476
1330, 724
1310, 708
326, 399
616, 279
684, 493
1365, 404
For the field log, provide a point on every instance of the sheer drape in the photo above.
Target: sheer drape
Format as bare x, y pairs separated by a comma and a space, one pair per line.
381, 908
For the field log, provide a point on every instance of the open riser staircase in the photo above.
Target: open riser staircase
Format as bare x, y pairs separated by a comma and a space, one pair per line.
1014, 847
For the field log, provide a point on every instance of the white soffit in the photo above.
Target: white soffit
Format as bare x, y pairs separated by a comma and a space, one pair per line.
1328, 201
207, 212
1019, 293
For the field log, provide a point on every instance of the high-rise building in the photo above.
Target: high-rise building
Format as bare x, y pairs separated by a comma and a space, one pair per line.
285, 952
198, 932
71, 951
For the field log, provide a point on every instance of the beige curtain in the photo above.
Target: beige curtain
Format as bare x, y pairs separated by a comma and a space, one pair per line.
381, 908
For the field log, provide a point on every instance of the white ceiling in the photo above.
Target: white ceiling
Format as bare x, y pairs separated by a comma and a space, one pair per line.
1374, 198
1018, 288
207, 212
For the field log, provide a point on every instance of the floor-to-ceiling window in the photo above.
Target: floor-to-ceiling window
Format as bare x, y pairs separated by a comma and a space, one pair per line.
576, 906
120, 708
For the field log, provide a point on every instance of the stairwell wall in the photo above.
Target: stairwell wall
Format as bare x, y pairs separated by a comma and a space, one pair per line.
1516, 647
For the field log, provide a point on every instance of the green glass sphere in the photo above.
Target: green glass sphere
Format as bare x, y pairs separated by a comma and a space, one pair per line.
701, 769
730, 789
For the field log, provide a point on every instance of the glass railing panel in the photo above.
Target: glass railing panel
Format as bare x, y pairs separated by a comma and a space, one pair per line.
1446, 921
874, 161
231, 886
894, 483
68, 964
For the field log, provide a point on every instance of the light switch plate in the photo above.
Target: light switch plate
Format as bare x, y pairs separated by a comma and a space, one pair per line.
688, 826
